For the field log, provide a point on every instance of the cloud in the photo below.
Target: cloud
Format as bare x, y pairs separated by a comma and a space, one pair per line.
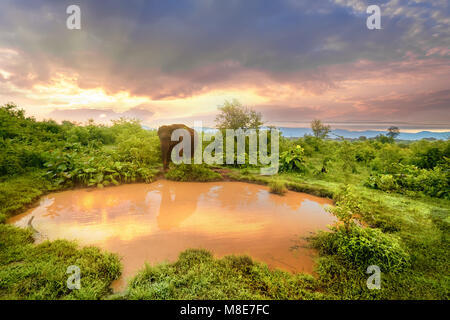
100, 115
308, 55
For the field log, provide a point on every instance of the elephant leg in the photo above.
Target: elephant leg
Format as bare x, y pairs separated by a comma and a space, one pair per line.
167, 158
164, 163
164, 158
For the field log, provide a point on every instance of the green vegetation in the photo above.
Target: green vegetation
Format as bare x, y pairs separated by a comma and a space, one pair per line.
277, 187
233, 115
409, 179
197, 275
292, 160
74, 155
17, 192
405, 233
319, 129
392, 202
30, 271
39, 157
195, 172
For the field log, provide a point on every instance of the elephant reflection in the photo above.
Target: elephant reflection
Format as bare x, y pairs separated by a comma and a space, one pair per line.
176, 206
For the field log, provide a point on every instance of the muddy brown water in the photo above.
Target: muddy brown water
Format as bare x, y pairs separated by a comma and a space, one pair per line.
155, 222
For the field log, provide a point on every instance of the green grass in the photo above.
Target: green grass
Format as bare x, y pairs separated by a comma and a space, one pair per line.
292, 182
197, 275
195, 172
16, 193
30, 271
277, 187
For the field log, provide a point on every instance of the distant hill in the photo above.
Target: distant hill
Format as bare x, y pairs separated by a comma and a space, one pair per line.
349, 134
300, 132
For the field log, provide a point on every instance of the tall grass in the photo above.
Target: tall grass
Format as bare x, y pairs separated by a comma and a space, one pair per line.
277, 187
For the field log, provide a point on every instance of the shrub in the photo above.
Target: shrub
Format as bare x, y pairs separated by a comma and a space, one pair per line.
293, 159
78, 165
387, 183
365, 153
364, 247
142, 148
277, 187
347, 207
434, 183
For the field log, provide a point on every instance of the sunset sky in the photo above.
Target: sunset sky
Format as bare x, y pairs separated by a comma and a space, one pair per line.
175, 61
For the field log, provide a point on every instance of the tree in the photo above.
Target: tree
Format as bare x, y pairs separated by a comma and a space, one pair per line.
233, 115
319, 129
393, 132
384, 139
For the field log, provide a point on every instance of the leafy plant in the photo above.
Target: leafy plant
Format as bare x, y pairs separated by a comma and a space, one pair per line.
292, 159
364, 247
347, 207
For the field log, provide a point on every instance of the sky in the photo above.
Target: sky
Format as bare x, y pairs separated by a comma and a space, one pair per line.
176, 61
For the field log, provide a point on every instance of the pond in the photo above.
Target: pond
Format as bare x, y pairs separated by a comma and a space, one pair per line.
155, 222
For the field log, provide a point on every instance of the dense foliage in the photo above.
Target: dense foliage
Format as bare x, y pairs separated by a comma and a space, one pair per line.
413, 168
89, 155
364, 247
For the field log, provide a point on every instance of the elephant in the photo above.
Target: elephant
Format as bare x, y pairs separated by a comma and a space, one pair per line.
165, 134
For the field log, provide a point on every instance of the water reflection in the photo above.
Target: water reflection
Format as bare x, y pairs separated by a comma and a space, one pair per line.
176, 206
155, 222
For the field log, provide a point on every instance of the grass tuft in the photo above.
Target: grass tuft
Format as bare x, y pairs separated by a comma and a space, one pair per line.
277, 187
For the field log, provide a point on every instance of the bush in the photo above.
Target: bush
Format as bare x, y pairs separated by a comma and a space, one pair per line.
293, 159
364, 247
277, 187
434, 183
142, 148
427, 155
387, 183
78, 165
364, 153
347, 207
